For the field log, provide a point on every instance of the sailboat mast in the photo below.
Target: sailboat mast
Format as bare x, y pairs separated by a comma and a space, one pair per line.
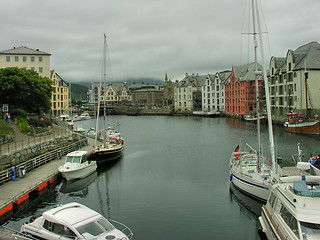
266, 84
105, 137
306, 89
256, 83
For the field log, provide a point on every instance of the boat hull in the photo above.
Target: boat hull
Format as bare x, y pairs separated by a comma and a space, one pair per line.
249, 187
306, 128
107, 155
78, 172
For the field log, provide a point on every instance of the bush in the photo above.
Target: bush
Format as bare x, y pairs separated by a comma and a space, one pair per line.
18, 113
36, 123
23, 124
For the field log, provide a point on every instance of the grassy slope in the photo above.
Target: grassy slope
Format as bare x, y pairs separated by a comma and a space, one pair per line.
5, 128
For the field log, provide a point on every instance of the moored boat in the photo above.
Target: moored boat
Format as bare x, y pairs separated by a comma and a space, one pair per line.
108, 143
85, 116
250, 172
293, 210
77, 166
298, 124
74, 221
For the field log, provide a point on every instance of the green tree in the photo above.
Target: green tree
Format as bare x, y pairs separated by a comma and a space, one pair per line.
25, 89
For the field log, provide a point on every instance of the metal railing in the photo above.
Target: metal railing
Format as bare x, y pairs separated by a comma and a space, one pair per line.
29, 165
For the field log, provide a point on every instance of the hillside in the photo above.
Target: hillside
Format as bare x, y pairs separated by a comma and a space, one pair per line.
128, 81
78, 91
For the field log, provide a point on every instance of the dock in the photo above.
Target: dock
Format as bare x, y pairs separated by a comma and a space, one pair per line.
16, 194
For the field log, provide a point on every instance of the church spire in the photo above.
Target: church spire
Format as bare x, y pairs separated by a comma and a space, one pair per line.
166, 79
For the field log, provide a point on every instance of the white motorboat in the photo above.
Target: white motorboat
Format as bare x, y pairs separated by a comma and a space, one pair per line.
250, 172
85, 116
79, 129
77, 166
293, 210
74, 221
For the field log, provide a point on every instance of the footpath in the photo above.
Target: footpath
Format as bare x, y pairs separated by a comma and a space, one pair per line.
20, 188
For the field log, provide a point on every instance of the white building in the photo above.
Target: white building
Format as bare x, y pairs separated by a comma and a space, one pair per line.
187, 93
213, 95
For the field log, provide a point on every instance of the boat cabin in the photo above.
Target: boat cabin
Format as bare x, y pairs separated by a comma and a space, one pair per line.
292, 211
77, 157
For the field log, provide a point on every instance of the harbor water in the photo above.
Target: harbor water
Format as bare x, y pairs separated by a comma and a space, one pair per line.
173, 179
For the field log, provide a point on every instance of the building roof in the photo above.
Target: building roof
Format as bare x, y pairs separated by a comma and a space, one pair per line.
307, 56
280, 64
194, 80
246, 72
147, 90
224, 75
24, 51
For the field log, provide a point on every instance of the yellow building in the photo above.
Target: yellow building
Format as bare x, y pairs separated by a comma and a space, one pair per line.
60, 95
23, 57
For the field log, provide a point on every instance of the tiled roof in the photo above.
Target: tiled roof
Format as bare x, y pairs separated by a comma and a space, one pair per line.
307, 56
24, 51
246, 72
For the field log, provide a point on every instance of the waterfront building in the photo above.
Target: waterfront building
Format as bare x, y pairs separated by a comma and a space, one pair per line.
288, 82
187, 93
168, 92
23, 57
115, 93
60, 95
213, 94
147, 97
240, 90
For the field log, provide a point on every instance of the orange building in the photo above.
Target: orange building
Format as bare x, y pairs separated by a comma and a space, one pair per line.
240, 90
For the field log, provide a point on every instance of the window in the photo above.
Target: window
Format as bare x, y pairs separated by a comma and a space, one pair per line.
24, 58
32, 68
289, 219
16, 58
40, 70
7, 58
32, 58
40, 59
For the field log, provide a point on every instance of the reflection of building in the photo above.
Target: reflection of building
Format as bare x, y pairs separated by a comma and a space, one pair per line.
60, 95
145, 97
116, 93
186, 93
288, 83
240, 91
23, 57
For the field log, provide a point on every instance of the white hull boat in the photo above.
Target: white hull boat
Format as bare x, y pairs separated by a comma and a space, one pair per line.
77, 166
74, 221
85, 116
293, 210
250, 172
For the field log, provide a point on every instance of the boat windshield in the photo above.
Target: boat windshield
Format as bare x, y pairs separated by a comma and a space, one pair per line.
72, 159
96, 227
310, 230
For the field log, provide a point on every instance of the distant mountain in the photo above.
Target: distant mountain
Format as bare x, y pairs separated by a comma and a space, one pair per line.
79, 91
129, 81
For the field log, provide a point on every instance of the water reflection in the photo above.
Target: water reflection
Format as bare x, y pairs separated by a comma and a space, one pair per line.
78, 187
247, 205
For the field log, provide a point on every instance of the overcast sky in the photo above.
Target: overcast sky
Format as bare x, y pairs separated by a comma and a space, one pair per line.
149, 38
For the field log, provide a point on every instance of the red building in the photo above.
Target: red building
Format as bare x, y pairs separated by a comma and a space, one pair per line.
240, 90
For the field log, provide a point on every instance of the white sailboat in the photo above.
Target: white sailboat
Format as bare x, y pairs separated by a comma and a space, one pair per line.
250, 172
108, 143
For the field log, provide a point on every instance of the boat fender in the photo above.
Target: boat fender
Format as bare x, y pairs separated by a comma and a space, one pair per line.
230, 177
